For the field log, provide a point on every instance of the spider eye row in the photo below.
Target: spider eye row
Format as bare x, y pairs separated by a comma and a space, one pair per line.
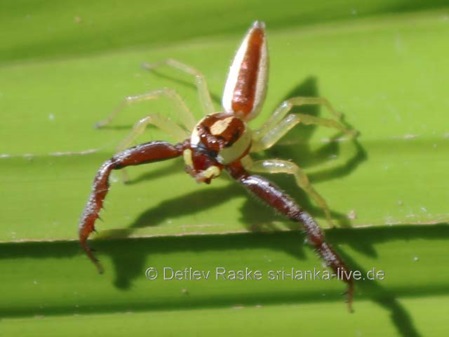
218, 139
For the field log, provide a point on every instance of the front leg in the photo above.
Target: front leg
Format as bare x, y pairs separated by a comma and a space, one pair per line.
284, 204
141, 154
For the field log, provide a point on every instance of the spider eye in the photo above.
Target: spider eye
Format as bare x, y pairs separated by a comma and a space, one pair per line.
223, 136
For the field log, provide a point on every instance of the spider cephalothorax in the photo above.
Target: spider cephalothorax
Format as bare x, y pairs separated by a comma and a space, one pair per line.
222, 141
217, 140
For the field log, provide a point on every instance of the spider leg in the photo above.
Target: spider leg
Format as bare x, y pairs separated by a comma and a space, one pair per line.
284, 166
277, 126
165, 124
141, 154
284, 204
200, 81
280, 123
186, 117
161, 122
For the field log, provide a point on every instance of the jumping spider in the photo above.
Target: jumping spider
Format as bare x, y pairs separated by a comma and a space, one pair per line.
223, 141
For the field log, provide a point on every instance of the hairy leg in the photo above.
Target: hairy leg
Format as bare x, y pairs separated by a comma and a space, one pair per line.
288, 167
141, 154
200, 80
280, 123
185, 115
284, 204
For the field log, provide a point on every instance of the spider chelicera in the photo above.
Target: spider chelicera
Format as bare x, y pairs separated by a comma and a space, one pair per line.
222, 141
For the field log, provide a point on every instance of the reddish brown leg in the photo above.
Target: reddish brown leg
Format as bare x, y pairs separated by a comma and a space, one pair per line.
141, 154
283, 203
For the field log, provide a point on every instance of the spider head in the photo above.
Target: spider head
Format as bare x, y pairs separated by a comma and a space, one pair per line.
217, 140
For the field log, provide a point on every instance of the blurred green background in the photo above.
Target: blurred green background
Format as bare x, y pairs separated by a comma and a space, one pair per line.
66, 65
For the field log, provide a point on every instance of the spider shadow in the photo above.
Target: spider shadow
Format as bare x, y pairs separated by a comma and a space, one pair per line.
296, 146
256, 218
264, 218
301, 137
299, 150
130, 258
380, 295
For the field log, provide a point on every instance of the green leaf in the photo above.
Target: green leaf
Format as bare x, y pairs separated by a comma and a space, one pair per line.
66, 65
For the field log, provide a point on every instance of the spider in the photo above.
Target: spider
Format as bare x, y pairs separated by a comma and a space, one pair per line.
223, 141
